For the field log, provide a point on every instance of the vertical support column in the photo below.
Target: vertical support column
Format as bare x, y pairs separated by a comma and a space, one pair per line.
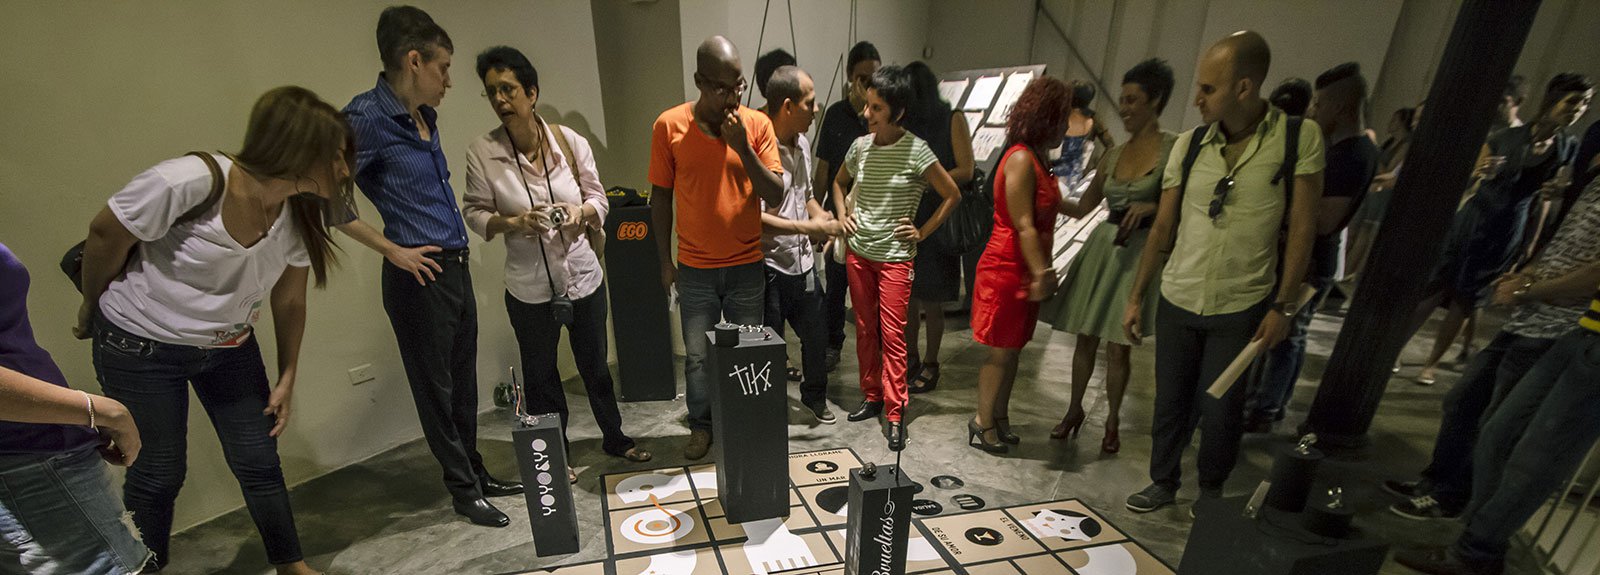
642, 329
749, 420
879, 523
542, 459
1481, 53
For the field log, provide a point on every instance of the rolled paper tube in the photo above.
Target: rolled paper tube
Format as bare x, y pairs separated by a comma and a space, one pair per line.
1242, 362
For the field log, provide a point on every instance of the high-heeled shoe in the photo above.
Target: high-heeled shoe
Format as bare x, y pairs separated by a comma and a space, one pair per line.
1002, 428
1069, 425
1111, 443
976, 439
926, 380
897, 436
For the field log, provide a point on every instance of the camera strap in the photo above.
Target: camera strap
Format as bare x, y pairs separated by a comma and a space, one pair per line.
544, 162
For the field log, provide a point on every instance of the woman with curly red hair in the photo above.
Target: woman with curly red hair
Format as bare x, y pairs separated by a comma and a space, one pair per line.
1015, 273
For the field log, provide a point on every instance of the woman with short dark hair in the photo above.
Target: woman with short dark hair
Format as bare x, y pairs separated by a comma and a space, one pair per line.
536, 184
1099, 280
885, 173
174, 278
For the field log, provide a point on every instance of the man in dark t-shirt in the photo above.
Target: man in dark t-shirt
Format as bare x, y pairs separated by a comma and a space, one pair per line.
841, 125
1351, 162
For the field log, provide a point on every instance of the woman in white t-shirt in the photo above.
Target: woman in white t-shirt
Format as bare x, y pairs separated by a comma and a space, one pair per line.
173, 282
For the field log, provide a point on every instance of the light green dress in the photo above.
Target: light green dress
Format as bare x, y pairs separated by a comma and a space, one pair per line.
1095, 290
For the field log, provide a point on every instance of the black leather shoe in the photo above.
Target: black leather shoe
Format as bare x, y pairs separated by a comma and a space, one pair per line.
496, 488
868, 410
897, 436
481, 512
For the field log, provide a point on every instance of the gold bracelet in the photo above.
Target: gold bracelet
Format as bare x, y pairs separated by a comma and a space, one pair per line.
89, 399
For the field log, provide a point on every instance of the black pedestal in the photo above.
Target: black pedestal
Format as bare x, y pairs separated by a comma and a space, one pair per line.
542, 459
749, 421
879, 522
642, 330
1224, 541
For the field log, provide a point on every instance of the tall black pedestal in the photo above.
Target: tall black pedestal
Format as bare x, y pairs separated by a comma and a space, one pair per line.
542, 459
1275, 543
879, 522
749, 421
641, 328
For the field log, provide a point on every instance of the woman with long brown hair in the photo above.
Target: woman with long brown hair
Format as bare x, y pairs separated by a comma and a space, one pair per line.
175, 272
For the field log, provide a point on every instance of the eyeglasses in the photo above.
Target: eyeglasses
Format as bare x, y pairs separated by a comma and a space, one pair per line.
509, 91
1219, 196
724, 89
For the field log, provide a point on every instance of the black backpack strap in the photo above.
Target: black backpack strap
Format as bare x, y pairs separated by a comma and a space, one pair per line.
217, 184
1291, 158
1196, 137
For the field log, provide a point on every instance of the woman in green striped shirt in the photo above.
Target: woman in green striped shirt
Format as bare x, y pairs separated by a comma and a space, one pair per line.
885, 172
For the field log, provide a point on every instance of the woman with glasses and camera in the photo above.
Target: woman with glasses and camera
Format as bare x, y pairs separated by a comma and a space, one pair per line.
536, 184
176, 270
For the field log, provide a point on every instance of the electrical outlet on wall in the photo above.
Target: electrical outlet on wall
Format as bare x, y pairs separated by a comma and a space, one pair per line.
361, 374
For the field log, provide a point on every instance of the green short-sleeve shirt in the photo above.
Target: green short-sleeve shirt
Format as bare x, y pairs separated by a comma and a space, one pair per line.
1230, 264
888, 186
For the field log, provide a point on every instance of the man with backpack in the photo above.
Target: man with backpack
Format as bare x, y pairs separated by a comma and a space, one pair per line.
1226, 199
1337, 105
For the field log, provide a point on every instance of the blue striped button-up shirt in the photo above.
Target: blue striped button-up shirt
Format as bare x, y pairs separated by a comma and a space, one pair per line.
402, 174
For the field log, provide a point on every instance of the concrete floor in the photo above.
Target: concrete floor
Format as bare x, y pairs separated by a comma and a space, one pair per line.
390, 514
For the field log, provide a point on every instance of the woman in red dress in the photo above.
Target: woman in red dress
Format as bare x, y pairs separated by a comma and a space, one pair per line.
1015, 273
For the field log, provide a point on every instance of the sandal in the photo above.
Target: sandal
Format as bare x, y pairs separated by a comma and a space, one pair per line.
928, 377
795, 374
637, 455
572, 476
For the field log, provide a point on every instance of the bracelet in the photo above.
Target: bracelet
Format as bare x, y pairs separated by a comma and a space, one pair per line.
89, 399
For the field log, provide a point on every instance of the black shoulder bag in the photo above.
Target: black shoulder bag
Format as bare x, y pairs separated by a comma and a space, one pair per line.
72, 261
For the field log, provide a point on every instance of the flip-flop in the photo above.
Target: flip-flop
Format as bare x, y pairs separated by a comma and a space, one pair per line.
637, 455
572, 476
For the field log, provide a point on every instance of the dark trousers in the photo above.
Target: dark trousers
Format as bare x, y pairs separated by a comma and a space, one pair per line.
1488, 379
436, 326
152, 379
1532, 444
835, 297
1191, 351
797, 300
1274, 374
537, 336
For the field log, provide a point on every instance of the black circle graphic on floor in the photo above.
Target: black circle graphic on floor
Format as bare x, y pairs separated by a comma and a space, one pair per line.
984, 536
916, 487
834, 499
823, 467
968, 502
947, 481
926, 507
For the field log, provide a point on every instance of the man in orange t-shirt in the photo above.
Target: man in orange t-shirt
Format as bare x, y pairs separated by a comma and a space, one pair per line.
712, 162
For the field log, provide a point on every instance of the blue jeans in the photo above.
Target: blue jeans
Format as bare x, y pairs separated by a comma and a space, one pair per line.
1274, 375
1530, 446
152, 379
705, 297
1493, 373
59, 516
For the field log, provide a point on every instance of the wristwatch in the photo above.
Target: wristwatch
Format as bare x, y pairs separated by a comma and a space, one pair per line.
1287, 308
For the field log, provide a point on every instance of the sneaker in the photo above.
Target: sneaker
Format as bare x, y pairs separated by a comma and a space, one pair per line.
699, 444
832, 358
1441, 561
822, 413
1423, 508
1409, 489
1152, 498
